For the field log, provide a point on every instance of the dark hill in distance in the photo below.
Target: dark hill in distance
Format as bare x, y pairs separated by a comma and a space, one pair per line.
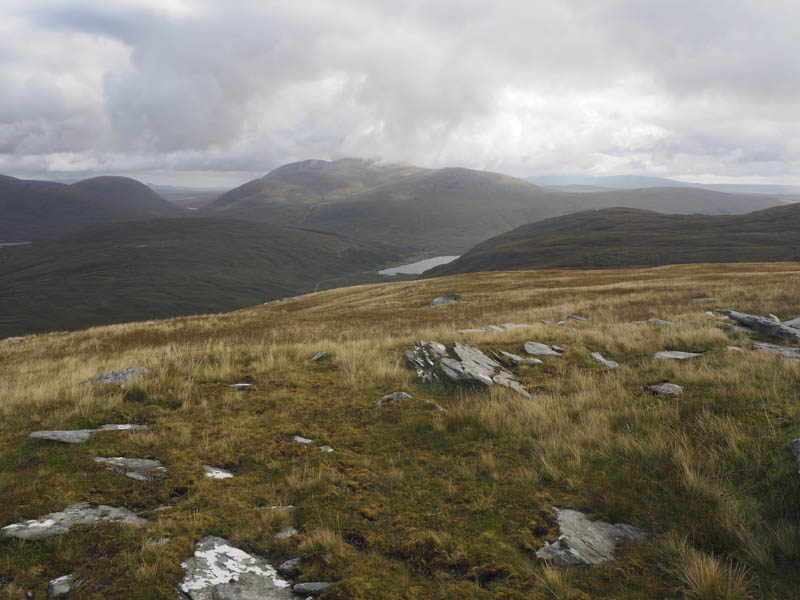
34, 210
624, 237
443, 211
116, 273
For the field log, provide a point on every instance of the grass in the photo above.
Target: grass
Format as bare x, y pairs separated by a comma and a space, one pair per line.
415, 503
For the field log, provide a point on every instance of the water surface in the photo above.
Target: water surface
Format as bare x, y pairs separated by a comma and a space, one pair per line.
418, 267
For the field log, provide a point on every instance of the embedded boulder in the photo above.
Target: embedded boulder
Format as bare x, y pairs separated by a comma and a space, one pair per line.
392, 397
123, 377
538, 349
140, 469
446, 299
675, 355
763, 325
609, 364
666, 388
788, 352
78, 436
82, 513
60, 586
215, 473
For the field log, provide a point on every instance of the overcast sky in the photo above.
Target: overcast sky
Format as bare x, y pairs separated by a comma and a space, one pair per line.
215, 92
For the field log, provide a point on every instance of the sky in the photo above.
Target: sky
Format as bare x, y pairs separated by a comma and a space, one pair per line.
213, 93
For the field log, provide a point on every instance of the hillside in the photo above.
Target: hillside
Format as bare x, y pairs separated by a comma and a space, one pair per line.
141, 270
426, 211
403, 501
622, 237
33, 210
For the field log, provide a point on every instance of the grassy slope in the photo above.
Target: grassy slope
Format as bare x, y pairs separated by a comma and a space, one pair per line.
151, 269
413, 503
632, 238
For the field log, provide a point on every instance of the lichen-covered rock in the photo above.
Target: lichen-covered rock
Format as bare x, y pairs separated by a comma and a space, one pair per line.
82, 513
609, 364
318, 356
220, 571
582, 541
60, 586
538, 349
141, 469
122, 377
788, 352
675, 355
446, 299
763, 325
794, 448
77, 436
666, 388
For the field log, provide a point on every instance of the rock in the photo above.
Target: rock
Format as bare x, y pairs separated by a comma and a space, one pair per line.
763, 325
299, 439
582, 541
654, 321
291, 567
60, 586
318, 356
773, 318
326, 448
519, 360
574, 318
141, 469
794, 448
666, 388
122, 377
676, 355
793, 323
285, 534
392, 397
77, 436
82, 513
240, 386
733, 348
546, 322
422, 358
606, 363
11, 340
708, 313
219, 571
788, 352
446, 299
312, 588
538, 349
503, 327
215, 473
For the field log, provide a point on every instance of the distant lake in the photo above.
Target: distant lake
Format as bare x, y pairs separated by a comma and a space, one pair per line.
4, 244
418, 267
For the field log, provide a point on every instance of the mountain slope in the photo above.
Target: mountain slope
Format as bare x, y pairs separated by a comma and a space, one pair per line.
140, 270
623, 237
32, 210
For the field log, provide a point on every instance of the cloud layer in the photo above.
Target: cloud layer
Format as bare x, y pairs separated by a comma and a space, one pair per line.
203, 88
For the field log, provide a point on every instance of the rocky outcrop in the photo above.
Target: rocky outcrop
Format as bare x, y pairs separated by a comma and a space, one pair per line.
77, 436
538, 349
140, 469
582, 541
764, 325
82, 513
666, 388
444, 300
794, 448
675, 355
788, 352
423, 358
123, 377
220, 571
610, 364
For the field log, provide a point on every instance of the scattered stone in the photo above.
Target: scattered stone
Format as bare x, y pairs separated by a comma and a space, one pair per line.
733, 348
503, 327
606, 363
141, 469
77, 436
763, 325
240, 386
446, 299
312, 588
582, 541
794, 448
519, 360
299, 439
666, 388
326, 448
574, 318
285, 534
392, 397
654, 321
215, 473
782, 350
538, 349
318, 356
676, 355
60, 586
219, 571
291, 567
81, 513
122, 377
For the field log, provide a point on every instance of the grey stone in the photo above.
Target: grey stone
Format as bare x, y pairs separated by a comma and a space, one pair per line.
326, 448
733, 348
318, 356
122, 377
676, 355
582, 541
312, 588
446, 299
666, 388
60, 586
574, 318
793, 323
220, 571
299, 439
81, 513
215, 473
77, 436
786, 351
763, 325
240, 386
506, 380
291, 567
422, 358
654, 321
141, 469
773, 318
392, 397
538, 349
503, 327
285, 534
519, 360
794, 448
606, 363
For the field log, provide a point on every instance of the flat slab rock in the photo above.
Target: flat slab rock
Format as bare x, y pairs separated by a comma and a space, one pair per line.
503, 327
78, 436
764, 325
676, 355
794, 448
140, 469
538, 349
122, 377
666, 388
519, 360
220, 571
392, 397
610, 364
82, 513
662, 322
216, 473
782, 350
583, 541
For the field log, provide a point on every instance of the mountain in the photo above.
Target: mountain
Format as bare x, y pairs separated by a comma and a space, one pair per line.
148, 269
33, 210
624, 237
426, 211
